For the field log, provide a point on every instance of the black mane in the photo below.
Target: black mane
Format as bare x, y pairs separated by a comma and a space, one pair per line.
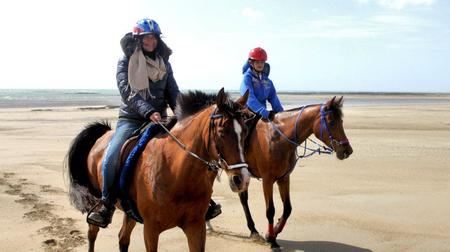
192, 102
335, 108
337, 111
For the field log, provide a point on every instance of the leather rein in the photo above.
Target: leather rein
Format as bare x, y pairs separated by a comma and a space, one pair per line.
213, 165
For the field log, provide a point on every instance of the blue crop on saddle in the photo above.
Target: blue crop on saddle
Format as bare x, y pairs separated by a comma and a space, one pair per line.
128, 170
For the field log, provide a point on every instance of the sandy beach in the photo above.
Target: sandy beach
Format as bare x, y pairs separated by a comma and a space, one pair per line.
392, 194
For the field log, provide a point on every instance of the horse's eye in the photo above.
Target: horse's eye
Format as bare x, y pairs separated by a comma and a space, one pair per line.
221, 133
332, 123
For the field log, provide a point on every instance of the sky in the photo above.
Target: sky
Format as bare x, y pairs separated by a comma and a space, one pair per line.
312, 45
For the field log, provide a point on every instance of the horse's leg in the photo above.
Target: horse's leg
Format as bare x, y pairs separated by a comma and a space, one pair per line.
92, 236
196, 235
283, 186
151, 238
243, 196
125, 233
270, 212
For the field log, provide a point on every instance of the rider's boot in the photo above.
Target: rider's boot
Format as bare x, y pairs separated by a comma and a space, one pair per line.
102, 217
213, 210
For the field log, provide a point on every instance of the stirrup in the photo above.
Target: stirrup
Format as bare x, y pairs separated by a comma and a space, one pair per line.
105, 221
96, 223
213, 212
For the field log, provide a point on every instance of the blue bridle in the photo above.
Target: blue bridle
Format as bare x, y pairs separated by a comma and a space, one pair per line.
323, 127
321, 148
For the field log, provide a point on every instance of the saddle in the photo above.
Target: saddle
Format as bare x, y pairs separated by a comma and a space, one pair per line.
132, 141
129, 154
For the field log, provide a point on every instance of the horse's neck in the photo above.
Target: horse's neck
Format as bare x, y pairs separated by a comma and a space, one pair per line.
193, 132
298, 127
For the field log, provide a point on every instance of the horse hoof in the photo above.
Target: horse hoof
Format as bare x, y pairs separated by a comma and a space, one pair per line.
274, 246
256, 237
276, 249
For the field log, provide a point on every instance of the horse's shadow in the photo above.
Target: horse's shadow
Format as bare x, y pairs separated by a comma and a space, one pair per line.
319, 246
287, 245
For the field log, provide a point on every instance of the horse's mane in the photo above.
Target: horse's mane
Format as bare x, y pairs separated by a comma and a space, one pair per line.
192, 102
335, 108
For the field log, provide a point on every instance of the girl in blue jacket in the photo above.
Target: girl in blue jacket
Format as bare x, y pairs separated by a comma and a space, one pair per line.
261, 89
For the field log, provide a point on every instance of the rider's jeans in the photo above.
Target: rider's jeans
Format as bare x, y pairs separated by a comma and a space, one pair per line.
110, 166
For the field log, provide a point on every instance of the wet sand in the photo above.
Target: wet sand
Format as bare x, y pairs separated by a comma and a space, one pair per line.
392, 194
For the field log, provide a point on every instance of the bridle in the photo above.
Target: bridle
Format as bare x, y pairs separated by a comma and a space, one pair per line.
321, 149
323, 127
213, 165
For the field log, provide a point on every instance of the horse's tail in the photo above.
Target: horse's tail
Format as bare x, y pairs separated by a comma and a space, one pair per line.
81, 193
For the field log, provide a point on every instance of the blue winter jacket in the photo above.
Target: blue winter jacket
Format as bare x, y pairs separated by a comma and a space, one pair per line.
261, 89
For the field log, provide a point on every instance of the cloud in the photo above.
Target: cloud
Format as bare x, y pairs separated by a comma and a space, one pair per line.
252, 13
398, 4
400, 20
338, 27
348, 27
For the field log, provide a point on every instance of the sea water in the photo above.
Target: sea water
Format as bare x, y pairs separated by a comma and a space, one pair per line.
27, 98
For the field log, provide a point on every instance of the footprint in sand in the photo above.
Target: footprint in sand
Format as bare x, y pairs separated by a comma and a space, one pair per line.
28, 199
50, 242
63, 236
14, 189
52, 190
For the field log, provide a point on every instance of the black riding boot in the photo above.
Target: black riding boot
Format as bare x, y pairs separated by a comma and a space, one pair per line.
213, 210
102, 217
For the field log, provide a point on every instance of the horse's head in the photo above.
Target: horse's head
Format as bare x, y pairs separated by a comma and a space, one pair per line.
228, 134
329, 128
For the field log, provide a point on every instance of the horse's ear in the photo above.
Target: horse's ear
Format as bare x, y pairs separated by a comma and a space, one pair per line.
330, 103
221, 100
340, 101
243, 99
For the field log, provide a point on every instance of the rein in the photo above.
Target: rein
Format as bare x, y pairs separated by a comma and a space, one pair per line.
322, 149
213, 165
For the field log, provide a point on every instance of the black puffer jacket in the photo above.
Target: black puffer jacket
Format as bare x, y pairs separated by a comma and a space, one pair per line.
164, 92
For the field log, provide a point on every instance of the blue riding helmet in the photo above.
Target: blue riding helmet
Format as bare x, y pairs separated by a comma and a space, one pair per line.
146, 26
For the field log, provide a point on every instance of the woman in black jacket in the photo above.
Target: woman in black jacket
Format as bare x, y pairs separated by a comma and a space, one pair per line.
147, 87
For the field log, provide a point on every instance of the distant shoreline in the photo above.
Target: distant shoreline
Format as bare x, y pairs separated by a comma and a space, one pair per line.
286, 92
110, 98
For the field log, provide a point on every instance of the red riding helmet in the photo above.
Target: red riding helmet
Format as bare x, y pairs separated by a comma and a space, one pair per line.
258, 54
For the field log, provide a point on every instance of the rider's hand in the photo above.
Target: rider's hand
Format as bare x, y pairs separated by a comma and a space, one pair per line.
155, 117
271, 115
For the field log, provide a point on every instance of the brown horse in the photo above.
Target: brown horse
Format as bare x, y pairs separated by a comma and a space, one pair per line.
175, 172
271, 154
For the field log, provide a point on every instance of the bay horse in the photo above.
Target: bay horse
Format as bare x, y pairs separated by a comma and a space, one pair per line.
173, 179
271, 154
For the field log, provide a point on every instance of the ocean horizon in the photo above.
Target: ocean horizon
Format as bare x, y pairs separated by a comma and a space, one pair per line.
28, 98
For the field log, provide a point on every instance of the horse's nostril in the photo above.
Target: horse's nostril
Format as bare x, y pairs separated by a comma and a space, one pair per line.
237, 180
348, 153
